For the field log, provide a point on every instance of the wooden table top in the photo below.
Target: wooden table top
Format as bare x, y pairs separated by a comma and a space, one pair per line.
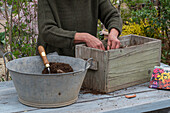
146, 99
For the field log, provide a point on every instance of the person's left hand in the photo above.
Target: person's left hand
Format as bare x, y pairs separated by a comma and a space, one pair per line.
113, 42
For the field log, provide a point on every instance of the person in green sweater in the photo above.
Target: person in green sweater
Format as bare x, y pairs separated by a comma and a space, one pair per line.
64, 23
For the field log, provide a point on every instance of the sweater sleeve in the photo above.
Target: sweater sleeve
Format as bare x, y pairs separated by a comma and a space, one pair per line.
109, 16
49, 30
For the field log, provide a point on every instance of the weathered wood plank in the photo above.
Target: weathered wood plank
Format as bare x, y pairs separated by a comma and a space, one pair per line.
94, 79
134, 66
143, 37
5, 85
140, 88
136, 40
125, 37
133, 49
144, 74
123, 42
7, 91
128, 78
133, 53
148, 107
8, 99
136, 58
126, 85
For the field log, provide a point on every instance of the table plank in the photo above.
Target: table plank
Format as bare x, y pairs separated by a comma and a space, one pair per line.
6, 85
162, 104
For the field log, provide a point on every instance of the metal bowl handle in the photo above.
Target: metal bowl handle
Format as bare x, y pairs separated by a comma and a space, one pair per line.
6, 70
89, 60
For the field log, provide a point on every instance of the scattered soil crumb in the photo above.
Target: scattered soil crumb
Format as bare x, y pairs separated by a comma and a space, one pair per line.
86, 91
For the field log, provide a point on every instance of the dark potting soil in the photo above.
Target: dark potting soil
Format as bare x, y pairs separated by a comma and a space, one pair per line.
56, 67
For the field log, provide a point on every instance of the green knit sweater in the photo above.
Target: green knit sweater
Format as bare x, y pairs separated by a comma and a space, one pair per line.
59, 20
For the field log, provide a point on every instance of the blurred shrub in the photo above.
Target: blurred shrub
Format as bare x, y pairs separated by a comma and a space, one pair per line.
21, 26
142, 28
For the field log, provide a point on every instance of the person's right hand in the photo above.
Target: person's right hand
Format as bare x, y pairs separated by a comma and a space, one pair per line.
94, 42
90, 40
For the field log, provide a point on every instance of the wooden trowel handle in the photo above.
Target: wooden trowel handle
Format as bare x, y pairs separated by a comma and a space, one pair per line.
43, 55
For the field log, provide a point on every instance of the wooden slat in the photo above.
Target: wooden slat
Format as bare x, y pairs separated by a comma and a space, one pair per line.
9, 99
125, 40
136, 58
143, 37
95, 80
125, 37
134, 66
126, 80
5, 85
133, 89
128, 77
137, 40
133, 49
162, 106
126, 85
118, 73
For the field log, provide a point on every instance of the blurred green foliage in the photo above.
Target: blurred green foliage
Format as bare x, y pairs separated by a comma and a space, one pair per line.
2, 37
143, 18
20, 37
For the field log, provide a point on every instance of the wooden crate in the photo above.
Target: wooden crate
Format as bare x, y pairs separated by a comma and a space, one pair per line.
120, 68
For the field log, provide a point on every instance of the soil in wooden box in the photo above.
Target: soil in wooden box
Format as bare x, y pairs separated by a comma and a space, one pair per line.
58, 68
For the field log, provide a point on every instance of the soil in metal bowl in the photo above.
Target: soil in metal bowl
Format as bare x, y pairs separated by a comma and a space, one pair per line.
56, 67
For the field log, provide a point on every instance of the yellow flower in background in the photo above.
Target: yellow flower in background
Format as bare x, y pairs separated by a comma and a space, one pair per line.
132, 28
130, 19
142, 29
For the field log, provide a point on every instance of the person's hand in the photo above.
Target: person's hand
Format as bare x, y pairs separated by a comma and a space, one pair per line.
113, 42
94, 42
90, 40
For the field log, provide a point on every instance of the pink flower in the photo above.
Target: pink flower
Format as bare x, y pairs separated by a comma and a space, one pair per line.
161, 71
152, 75
155, 75
155, 70
155, 83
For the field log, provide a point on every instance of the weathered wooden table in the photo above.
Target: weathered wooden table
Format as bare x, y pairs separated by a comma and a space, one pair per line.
146, 99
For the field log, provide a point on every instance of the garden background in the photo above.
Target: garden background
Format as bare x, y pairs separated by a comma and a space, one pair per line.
19, 32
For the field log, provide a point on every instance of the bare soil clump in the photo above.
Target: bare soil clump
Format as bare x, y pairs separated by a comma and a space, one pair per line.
56, 67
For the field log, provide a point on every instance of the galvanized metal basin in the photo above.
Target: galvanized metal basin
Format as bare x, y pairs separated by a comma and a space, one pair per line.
47, 90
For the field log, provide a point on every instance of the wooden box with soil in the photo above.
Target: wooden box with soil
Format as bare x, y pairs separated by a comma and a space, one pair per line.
115, 69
